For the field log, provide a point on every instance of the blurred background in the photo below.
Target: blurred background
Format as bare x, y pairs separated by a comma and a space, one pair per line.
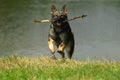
97, 36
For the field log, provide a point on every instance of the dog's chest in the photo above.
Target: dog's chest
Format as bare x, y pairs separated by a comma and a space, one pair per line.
55, 32
57, 29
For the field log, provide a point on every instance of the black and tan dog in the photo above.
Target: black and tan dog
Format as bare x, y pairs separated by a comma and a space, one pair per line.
60, 33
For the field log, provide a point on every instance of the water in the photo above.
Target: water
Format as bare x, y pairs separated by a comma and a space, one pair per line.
97, 36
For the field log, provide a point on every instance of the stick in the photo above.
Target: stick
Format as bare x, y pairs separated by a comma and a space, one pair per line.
75, 18
44, 21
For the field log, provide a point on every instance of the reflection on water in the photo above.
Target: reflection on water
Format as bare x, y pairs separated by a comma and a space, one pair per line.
96, 36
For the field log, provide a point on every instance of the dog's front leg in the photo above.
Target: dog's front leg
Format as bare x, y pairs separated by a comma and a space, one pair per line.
61, 47
64, 40
51, 45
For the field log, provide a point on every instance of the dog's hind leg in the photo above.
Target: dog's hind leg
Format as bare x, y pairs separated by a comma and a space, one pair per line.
70, 47
70, 50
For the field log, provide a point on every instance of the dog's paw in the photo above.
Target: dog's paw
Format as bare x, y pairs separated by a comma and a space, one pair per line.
61, 47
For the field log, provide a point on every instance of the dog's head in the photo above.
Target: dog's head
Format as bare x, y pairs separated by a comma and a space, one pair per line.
58, 16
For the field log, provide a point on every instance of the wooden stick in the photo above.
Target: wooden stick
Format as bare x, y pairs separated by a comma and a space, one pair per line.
75, 18
44, 21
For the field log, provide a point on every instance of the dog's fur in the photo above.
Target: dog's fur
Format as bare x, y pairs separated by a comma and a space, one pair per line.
60, 33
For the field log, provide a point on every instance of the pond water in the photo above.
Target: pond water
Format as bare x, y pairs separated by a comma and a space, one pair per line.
96, 37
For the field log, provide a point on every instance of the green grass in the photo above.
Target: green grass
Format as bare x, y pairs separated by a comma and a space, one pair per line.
44, 68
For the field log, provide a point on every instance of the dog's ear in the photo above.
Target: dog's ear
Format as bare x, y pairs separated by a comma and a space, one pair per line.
53, 9
64, 9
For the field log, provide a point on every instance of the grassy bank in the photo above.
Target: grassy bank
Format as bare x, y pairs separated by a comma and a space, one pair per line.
23, 68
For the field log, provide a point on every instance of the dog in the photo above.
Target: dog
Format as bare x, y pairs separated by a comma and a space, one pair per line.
60, 33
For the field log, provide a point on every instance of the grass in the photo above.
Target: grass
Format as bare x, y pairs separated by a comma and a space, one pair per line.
44, 68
